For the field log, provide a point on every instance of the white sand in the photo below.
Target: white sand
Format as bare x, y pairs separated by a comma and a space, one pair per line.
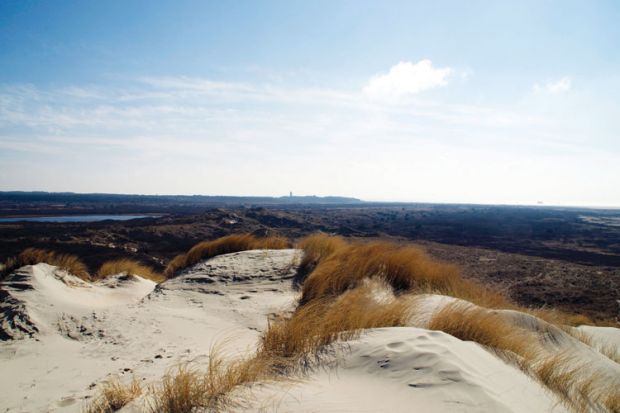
67, 336
410, 369
89, 333
605, 336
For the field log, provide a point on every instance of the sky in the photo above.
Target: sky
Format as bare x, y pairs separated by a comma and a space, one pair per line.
493, 102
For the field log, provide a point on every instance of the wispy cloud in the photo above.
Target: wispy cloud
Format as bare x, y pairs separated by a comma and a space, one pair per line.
561, 85
191, 134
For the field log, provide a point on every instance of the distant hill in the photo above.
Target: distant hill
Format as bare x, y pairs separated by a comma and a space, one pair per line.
207, 200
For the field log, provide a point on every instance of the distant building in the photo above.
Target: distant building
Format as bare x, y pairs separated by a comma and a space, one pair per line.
290, 194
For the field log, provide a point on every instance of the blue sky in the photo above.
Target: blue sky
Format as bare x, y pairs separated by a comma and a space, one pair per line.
482, 102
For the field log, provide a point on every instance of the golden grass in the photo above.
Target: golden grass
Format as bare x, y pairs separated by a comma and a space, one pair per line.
317, 247
339, 265
405, 268
575, 382
579, 387
129, 267
114, 395
559, 373
223, 245
32, 256
486, 327
318, 324
180, 392
187, 389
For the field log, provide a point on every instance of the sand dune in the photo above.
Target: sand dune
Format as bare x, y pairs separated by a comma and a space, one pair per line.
63, 337
404, 369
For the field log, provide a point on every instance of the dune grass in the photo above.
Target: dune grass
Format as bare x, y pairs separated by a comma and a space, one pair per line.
471, 323
224, 245
113, 395
314, 326
317, 247
578, 386
129, 267
409, 270
186, 389
32, 256
405, 268
339, 265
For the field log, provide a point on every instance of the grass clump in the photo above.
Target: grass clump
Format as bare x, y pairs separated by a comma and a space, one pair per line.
113, 396
180, 392
317, 247
486, 327
188, 389
129, 267
316, 325
224, 245
405, 268
33, 256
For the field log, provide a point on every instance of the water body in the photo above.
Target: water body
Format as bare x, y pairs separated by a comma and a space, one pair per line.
77, 218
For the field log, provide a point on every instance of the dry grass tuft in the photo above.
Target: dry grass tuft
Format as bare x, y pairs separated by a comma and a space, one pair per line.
114, 395
32, 256
488, 328
317, 247
181, 391
224, 245
187, 389
129, 267
405, 268
579, 387
316, 325
559, 373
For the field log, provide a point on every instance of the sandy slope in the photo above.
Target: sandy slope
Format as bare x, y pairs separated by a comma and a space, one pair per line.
62, 337
83, 334
411, 369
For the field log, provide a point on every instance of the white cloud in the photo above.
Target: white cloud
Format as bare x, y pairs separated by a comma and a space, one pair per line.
558, 86
406, 79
